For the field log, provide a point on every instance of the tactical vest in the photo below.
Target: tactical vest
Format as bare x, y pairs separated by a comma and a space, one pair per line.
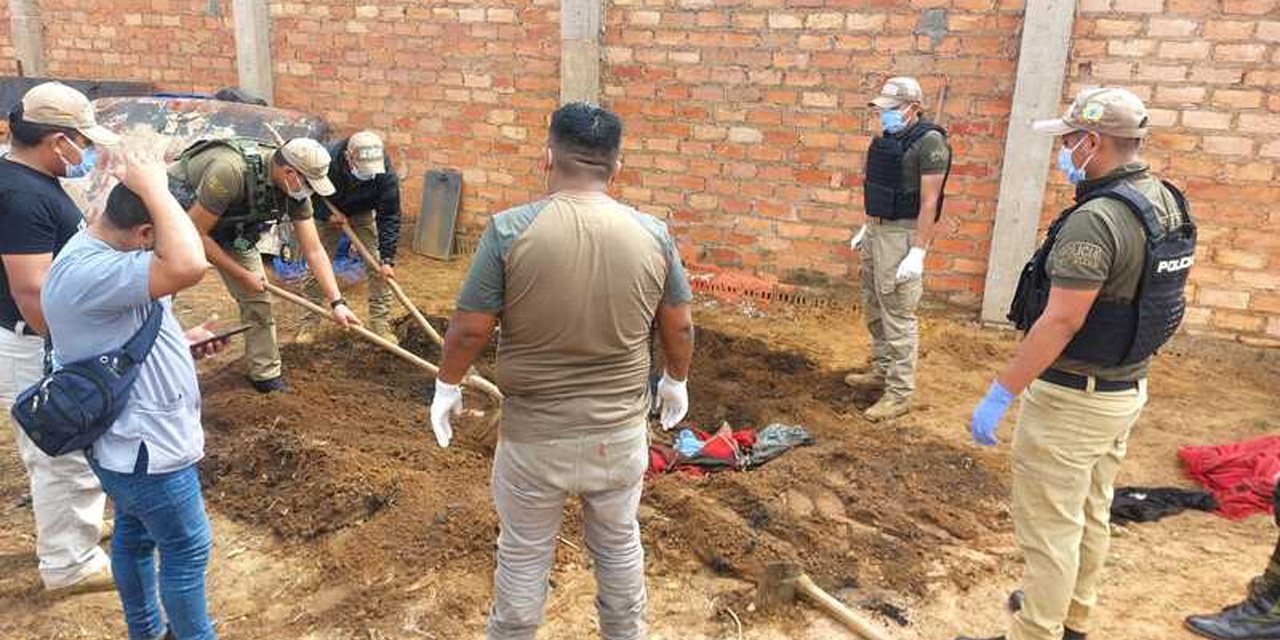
883, 193
263, 205
1115, 332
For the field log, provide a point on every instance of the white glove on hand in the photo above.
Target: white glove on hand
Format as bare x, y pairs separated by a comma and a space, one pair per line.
673, 399
447, 403
856, 242
912, 266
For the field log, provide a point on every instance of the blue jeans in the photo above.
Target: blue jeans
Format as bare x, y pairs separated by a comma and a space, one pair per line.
162, 511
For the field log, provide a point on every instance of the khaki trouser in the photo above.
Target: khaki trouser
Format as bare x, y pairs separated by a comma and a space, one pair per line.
530, 484
1067, 450
889, 306
366, 229
66, 498
261, 350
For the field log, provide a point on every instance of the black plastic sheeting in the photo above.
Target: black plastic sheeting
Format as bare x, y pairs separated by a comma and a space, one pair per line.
12, 88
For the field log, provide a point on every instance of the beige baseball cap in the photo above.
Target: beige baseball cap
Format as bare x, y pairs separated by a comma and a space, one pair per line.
1108, 111
311, 159
57, 105
897, 92
366, 151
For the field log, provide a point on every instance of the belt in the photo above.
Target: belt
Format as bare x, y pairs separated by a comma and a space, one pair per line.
18, 327
1081, 383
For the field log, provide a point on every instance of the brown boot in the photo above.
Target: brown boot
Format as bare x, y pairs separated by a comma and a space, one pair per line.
865, 380
381, 327
887, 408
97, 582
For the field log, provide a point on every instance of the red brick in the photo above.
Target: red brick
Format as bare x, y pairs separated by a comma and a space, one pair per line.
1241, 99
1239, 52
1138, 6
1170, 27
1184, 50
1250, 7
1229, 29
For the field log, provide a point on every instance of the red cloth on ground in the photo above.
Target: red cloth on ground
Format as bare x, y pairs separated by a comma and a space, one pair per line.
1241, 475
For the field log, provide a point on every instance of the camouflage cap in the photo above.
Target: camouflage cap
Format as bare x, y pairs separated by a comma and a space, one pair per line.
311, 159
57, 105
897, 92
1108, 111
366, 152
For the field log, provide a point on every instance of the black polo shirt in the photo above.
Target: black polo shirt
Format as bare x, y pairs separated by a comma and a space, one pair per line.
36, 216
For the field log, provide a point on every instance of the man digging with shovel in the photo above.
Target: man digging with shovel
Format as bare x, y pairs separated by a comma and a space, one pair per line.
579, 281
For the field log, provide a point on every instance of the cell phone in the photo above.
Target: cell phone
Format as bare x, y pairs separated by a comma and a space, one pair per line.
222, 334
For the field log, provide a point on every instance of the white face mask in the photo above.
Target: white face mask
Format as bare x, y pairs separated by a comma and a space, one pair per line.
301, 193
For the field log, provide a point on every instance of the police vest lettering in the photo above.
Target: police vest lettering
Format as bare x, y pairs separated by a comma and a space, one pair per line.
1116, 332
263, 203
884, 194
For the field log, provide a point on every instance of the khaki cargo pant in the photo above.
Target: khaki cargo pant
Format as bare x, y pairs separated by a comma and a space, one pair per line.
530, 484
889, 306
366, 229
66, 498
1067, 450
261, 350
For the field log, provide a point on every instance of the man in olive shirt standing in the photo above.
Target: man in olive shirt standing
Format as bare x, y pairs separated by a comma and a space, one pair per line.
579, 282
233, 190
1098, 298
906, 173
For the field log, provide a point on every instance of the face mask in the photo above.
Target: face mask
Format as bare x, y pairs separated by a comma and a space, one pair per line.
362, 176
88, 158
301, 193
892, 121
1074, 174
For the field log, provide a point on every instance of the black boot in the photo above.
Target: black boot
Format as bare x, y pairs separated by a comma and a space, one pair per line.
1257, 618
1017, 597
968, 638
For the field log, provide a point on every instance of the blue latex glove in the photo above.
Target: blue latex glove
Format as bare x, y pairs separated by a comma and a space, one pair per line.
987, 415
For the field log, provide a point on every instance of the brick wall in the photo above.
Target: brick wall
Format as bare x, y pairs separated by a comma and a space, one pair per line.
465, 85
747, 122
180, 45
8, 63
1210, 74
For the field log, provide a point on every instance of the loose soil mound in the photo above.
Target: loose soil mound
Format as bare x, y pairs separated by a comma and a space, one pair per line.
345, 467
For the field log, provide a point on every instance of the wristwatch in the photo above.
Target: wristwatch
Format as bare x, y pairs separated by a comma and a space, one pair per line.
339, 301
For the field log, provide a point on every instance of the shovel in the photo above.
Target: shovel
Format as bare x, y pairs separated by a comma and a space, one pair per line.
473, 380
783, 580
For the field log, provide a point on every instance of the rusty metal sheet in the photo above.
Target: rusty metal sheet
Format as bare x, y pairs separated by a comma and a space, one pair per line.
433, 233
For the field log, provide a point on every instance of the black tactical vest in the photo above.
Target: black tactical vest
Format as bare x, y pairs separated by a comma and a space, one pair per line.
263, 205
883, 193
1121, 333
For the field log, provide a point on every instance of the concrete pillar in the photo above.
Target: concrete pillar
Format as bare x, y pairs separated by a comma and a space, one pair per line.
27, 34
1042, 69
581, 23
253, 47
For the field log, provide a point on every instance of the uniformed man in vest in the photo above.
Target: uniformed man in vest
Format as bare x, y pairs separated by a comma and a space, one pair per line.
906, 173
367, 193
234, 189
1102, 293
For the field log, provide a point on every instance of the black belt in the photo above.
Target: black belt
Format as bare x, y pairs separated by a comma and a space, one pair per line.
26, 328
1081, 383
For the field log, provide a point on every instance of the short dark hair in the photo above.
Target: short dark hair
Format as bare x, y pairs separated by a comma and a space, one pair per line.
30, 134
125, 210
585, 139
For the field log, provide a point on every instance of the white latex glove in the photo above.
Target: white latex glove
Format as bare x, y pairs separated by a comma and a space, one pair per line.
673, 399
912, 266
447, 403
856, 242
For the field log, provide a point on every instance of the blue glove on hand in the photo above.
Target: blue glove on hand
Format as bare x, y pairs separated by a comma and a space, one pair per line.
987, 415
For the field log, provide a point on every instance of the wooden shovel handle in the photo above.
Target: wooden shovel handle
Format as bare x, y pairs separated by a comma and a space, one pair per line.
837, 609
368, 258
478, 382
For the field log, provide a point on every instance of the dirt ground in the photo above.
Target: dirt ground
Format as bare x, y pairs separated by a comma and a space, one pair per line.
337, 517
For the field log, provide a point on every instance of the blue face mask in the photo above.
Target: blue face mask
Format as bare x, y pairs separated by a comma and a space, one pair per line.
1074, 174
892, 121
88, 158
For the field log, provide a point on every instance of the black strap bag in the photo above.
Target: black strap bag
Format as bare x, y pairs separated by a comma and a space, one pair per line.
74, 405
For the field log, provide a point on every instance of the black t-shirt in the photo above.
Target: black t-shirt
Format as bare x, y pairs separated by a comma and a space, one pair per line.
36, 216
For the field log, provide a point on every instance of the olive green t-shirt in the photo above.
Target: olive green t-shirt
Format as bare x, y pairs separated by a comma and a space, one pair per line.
1102, 246
217, 176
577, 279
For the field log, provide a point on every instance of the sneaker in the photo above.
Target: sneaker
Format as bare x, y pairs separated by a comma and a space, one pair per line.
887, 409
96, 582
1257, 618
273, 385
865, 380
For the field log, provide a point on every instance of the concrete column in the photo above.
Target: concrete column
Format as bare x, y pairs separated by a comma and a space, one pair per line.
27, 34
253, 47
1042, 69
581, 23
